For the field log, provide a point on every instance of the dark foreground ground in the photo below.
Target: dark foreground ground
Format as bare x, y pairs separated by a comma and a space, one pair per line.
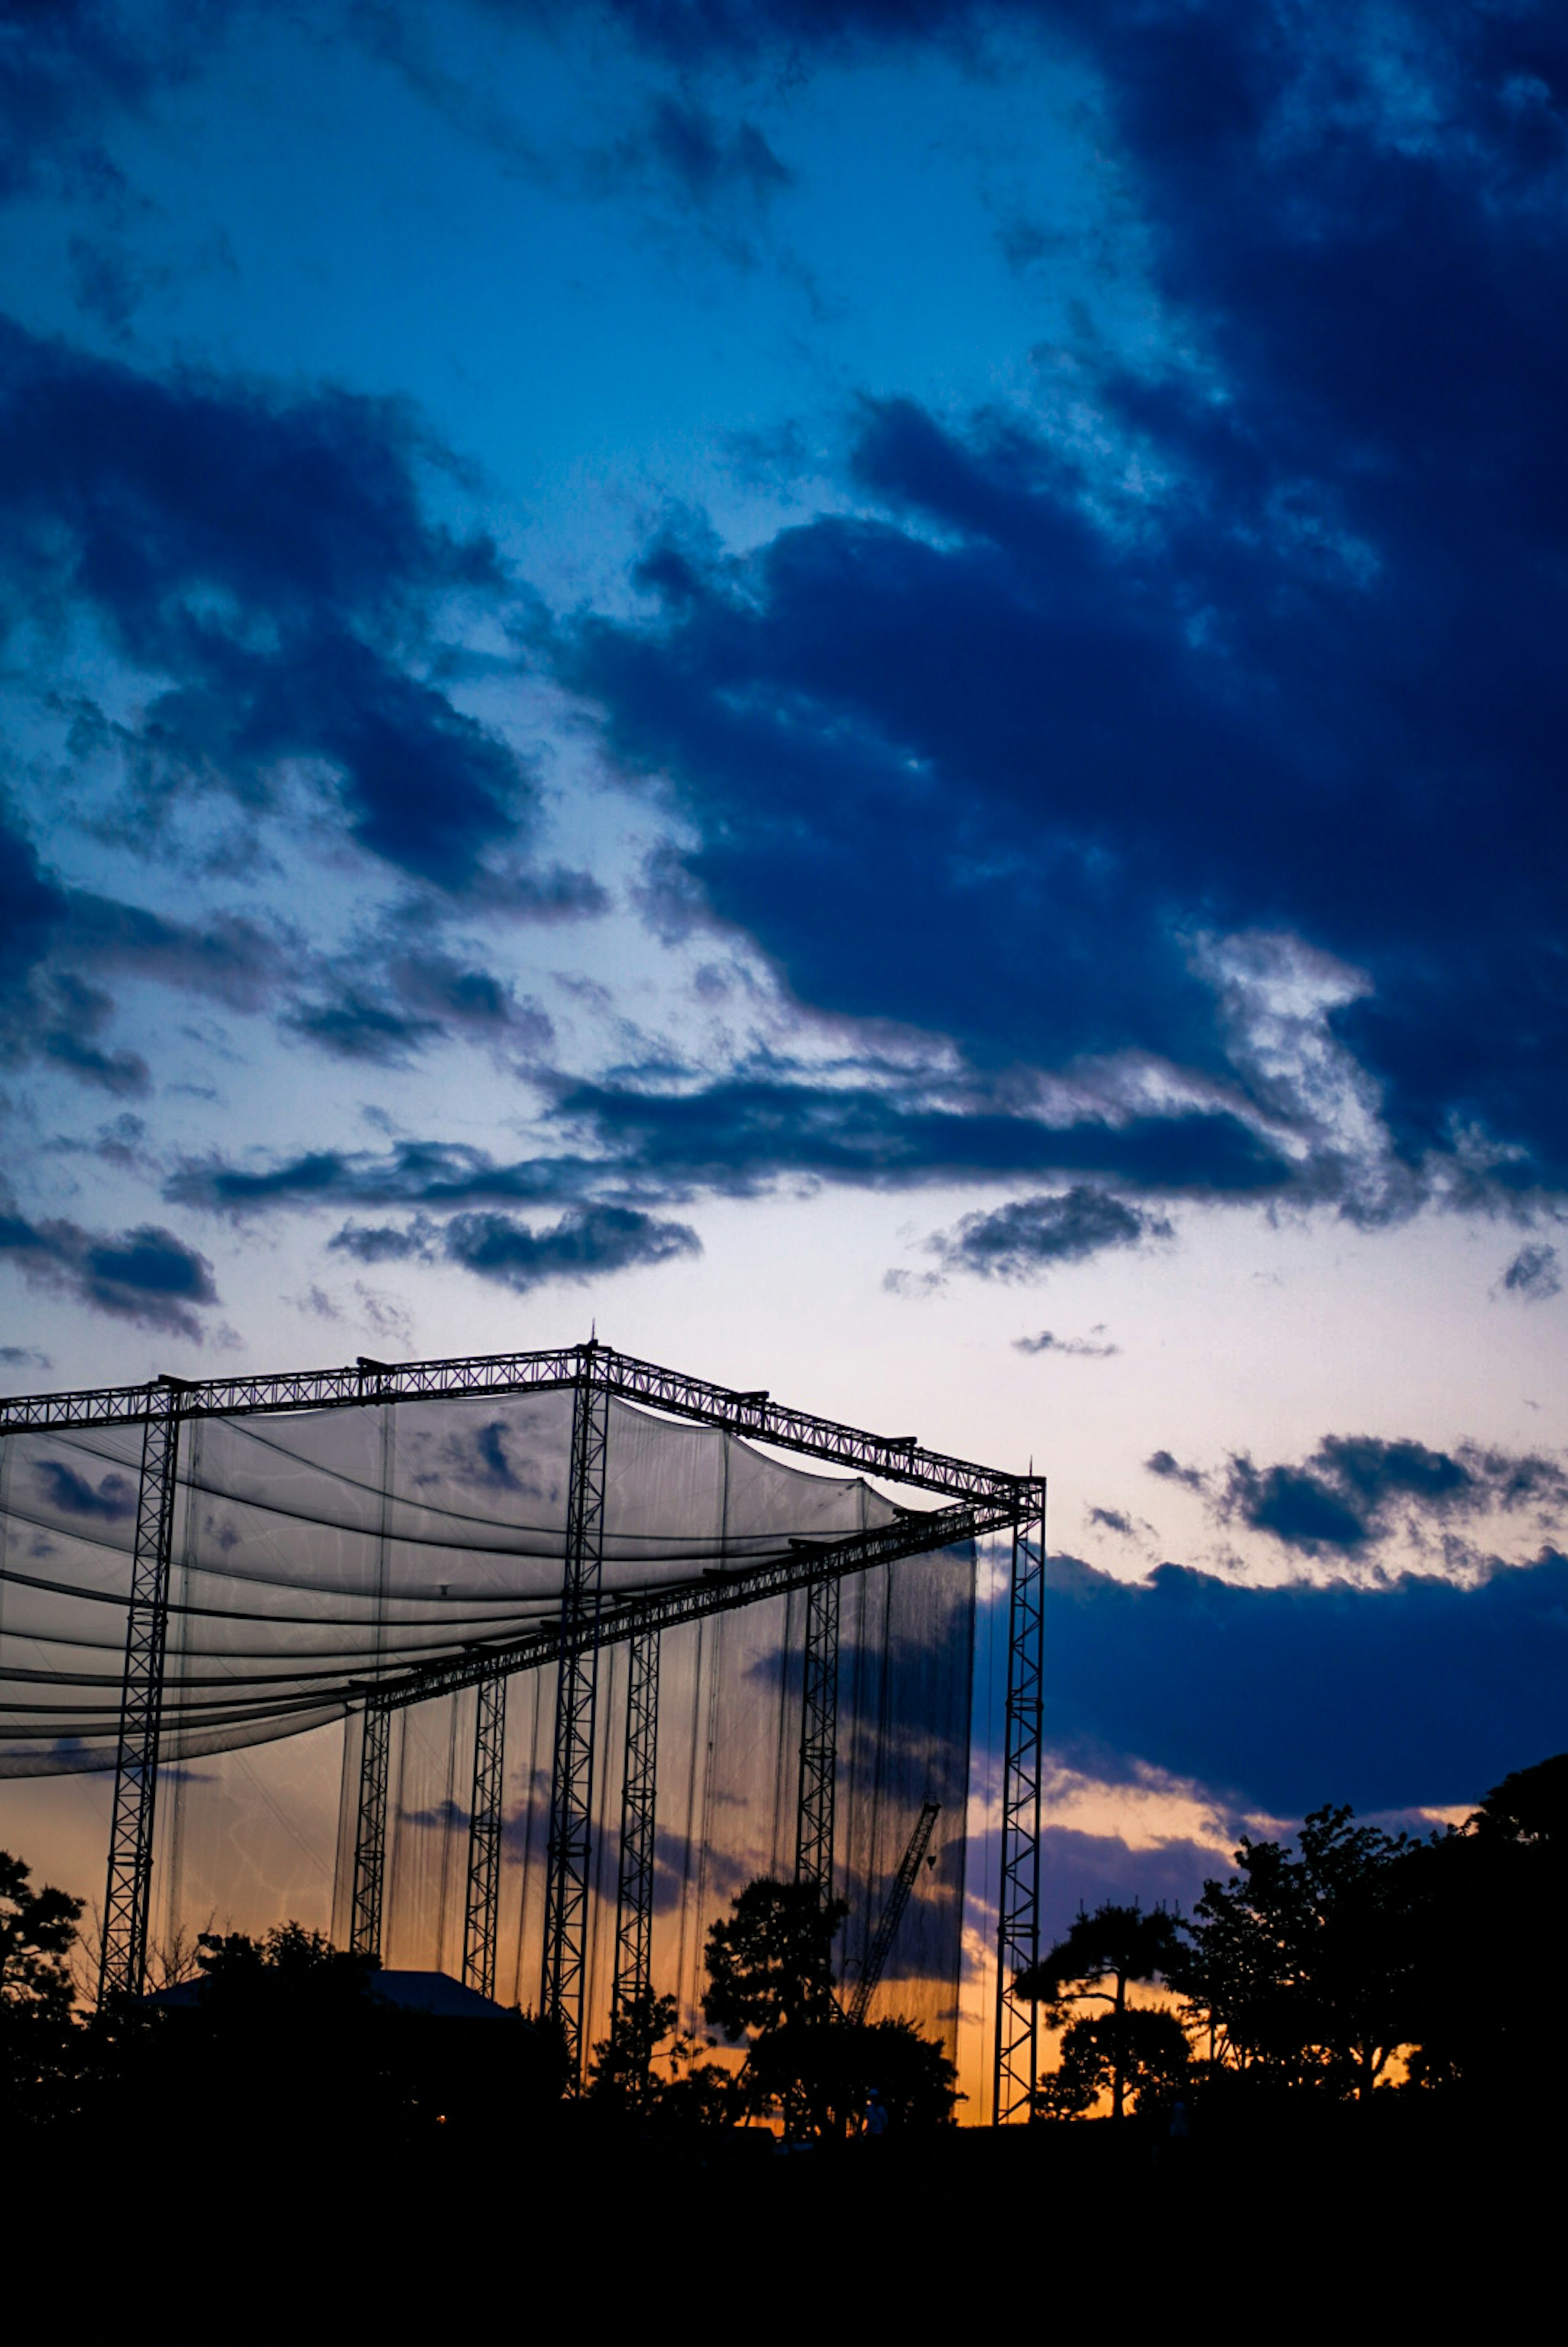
1410, 2221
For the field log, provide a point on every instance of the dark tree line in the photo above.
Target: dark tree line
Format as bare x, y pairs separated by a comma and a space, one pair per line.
269, 2031
1328, 1968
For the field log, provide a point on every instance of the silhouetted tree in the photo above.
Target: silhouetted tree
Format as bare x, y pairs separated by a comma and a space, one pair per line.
770, 1962
39, 2056
1493, 1893
1101, 1955
1141, 2051
771, 1979
831, 2068
37, 1934
1301, 1966
1528, 1809
622, 2072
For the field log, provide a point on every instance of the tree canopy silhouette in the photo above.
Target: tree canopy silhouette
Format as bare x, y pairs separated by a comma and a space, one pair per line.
771, 1979
1299, 1965
770, 1961
37, 1934
39, 2057
1101, 1955
622, 2074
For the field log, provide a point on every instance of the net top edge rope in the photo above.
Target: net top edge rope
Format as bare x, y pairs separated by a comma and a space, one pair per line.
752, 1414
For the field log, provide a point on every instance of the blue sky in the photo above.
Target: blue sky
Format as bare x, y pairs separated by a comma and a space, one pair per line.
873, 690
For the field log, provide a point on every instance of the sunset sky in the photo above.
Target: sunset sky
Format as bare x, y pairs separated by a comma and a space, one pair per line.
876, 693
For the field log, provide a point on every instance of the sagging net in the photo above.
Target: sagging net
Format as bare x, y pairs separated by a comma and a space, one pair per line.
316, 1552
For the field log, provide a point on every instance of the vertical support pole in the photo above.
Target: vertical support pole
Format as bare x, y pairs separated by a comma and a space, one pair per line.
566, 1876
370, 1832
1018, 1914
481, 1910
123, 1969
819, 1736
367, 1912
635, 1888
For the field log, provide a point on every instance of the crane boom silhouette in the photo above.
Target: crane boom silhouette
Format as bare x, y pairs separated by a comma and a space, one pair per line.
892, 1914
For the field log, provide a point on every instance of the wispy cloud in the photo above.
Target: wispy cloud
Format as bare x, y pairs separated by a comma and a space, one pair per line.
1082, 1348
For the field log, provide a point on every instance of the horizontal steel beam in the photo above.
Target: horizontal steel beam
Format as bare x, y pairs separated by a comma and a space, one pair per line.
718, 1592
896, 1459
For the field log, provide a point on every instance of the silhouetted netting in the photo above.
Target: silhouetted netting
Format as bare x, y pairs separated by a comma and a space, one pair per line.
316, 1550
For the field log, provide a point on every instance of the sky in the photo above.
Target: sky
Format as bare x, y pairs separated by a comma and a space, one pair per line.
871, 693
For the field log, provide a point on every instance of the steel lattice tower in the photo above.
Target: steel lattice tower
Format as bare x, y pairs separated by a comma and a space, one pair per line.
571, 1770
370, 1832
481, 1910
819, 1736
635, 1886
1018, 1916
123, 1968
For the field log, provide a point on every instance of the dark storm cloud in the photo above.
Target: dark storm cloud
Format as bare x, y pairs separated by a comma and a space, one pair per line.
111, 1499
748, 1130
272, 559
706, 160
386, 1002
146, 1274
1079, 1348
422, 998
1026, 1237
65, 65
1534, 1273
1083, 1869
582, 1245
585, 1244
694, 32
1415, 1692
439, 1175
738, 1137
1355, 1489
1161, 1463
1306, 676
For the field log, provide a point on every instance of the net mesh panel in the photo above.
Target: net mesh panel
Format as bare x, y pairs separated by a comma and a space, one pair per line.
313, 1551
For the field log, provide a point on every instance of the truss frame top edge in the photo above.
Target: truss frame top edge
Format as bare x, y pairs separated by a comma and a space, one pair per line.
620, 1374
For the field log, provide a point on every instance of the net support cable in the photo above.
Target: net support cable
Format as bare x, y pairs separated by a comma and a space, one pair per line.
128, 1896
1018, 1911
567, 1878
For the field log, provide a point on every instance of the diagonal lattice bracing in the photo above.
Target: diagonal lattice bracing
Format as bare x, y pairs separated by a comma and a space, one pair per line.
1018, 1916
635, 1886
819, 1736
481, 1909
370, 1832
123, 1967
566, 1881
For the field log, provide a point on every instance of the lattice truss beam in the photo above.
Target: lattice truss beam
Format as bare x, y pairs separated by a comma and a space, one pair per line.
819, 1736
639, 1777
370, 1832
570, 1849
123, 1965
1017, 2048
482, 1908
